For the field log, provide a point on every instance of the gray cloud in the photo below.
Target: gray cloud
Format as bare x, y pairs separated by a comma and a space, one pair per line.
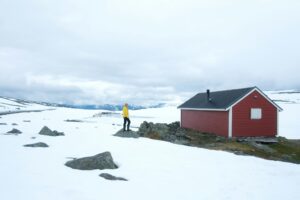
145, 52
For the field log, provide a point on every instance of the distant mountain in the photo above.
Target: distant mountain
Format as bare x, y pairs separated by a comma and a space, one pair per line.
111, 107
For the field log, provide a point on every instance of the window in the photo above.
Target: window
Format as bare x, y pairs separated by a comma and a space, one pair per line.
256, 113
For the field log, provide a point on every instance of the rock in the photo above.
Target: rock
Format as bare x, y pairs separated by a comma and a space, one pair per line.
14, 124
39, 144
182, 142
155, 131
263, 140
73, 120
111, 177
174, 126
46, 131
3, 123
14, 131
99, 161
167, 132
240, 153
262, 147
286, 157
128, 134
220, 139
26, 121
180, 132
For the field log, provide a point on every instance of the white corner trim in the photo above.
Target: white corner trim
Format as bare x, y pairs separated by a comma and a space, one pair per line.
230, 123
180, 118
277, 131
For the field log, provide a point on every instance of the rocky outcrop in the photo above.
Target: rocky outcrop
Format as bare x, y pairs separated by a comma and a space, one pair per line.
99, 161
46, 131
39, 144
127, 134
111, 177
167, 132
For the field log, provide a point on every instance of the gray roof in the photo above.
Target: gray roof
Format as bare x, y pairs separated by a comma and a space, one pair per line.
220, 100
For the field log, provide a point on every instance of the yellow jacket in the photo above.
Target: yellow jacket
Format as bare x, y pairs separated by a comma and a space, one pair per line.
125, 112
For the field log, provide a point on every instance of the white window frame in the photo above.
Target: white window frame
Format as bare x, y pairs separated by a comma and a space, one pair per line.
256, 113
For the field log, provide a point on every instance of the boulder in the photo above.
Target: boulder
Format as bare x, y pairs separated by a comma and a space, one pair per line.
262, 147
3, 123
14, 124
155, 131
167, 132
14, 131
39, 144
111, 177
47, 131
99, 161
128, 134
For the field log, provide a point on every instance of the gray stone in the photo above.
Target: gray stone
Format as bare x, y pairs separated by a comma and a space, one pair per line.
262, 147
182, 142
3, 123
240, 153
39, 144
263, 140
159, 130
14, 131
220, 139
26, 121
111, 177
46, 131
167, 132
99, 161
286, 157
14, 124
128, 134
73, 120
180, 132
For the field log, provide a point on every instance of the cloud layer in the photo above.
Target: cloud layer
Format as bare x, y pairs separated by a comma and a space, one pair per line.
145, 52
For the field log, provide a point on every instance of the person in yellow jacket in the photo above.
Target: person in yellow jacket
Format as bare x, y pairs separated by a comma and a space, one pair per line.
126, 117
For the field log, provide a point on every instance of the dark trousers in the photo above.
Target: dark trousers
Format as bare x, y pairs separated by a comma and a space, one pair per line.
126, 120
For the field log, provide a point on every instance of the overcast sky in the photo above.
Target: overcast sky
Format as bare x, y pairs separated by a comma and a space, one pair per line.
145, 51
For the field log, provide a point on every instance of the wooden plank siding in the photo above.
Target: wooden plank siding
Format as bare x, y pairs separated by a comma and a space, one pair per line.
244, 126
206, 121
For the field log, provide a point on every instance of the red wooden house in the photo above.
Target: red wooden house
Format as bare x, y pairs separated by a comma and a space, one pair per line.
243, 112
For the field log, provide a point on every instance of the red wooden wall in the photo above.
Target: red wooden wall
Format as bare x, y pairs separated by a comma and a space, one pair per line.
206, 121
243, 125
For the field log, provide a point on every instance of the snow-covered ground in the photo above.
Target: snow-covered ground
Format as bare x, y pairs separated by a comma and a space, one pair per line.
14, 105
289, 122
155, 169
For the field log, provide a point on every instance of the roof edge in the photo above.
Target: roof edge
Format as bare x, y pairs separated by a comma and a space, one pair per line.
260, 92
